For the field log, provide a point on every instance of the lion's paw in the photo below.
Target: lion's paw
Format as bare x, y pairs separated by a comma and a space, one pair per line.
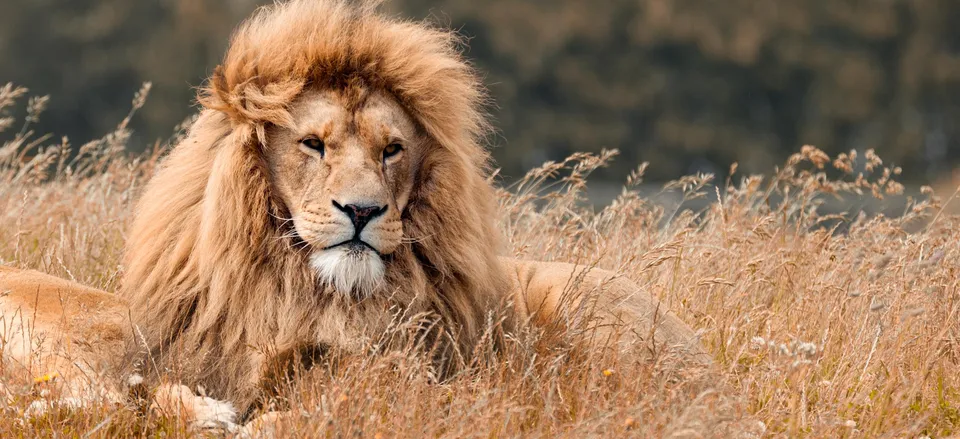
199, 412
265, 426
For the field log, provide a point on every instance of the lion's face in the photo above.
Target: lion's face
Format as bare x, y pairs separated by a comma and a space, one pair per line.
345, 170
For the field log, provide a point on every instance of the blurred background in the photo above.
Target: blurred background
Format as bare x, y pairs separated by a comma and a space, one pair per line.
688, 85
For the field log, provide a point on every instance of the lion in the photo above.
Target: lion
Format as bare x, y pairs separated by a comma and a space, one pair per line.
335, 175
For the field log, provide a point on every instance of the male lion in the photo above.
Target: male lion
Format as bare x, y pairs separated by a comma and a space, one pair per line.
334, 179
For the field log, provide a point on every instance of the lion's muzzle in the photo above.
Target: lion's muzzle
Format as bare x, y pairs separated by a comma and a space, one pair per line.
352, 262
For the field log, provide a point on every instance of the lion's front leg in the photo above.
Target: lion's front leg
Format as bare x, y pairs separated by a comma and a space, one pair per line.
267, 425
197, 411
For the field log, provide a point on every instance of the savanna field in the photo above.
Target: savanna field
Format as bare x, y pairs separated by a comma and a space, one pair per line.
819, 324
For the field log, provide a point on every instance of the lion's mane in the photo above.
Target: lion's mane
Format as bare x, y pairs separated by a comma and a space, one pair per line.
210, 275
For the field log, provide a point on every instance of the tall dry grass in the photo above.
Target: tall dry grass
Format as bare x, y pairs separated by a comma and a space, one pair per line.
820, 325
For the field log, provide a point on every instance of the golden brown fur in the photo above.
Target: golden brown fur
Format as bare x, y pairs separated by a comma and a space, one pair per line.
216, 278
208, 223
52, 326
67, 337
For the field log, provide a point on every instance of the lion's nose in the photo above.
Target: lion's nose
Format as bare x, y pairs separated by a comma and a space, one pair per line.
360, 215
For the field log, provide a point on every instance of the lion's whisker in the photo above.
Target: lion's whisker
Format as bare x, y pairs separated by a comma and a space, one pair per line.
415, 240
292, 234
283, 221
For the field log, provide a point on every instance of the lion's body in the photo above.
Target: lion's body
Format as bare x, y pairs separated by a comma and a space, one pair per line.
550, 292
232, 262
51, 327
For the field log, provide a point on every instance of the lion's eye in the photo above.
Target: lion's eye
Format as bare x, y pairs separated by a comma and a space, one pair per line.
313, 143
391, 150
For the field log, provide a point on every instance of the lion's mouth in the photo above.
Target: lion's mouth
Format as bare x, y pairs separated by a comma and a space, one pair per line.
354, 245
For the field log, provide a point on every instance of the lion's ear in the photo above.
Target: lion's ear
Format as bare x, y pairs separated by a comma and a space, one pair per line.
244, 101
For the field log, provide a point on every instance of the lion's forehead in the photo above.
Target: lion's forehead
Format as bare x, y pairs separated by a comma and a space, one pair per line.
325, 113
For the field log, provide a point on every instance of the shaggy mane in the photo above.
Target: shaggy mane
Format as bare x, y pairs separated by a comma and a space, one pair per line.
216, 288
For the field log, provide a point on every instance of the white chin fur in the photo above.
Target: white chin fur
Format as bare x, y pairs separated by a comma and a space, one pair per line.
352, 272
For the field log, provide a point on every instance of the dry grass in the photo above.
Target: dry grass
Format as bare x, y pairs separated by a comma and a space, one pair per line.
820, 325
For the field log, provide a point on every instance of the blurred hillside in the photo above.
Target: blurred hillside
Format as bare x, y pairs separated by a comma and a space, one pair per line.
686, 84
